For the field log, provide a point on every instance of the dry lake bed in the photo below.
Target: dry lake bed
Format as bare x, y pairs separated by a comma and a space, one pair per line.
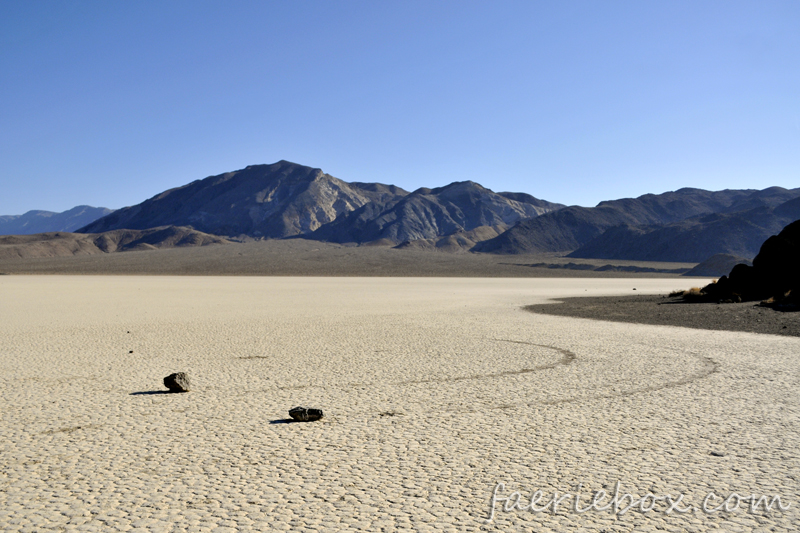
446, 405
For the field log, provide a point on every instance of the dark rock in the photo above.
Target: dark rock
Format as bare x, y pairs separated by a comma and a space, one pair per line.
302, 414
178, 382
774, 276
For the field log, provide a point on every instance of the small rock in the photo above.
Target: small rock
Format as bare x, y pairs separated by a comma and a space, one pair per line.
303, 414
178, 382
718, 454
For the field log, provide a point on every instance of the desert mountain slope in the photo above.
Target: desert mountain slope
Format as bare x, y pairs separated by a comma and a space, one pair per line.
274, 201
432, 213
60, 244
691, 240
47, 221
572, 228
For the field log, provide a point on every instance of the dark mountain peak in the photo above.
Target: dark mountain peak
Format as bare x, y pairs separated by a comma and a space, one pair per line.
279, 200
774, 190
460, 186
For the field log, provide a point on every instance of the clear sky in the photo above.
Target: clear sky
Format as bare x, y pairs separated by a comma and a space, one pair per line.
109, 103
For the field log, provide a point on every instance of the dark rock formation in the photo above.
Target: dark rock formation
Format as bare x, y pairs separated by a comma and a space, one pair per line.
178, 382
775, 273
303, 414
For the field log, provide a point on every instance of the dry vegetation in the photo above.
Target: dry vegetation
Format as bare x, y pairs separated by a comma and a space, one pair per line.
694, 294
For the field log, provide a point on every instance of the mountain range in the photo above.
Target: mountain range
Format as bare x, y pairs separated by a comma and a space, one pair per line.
684, 225
285, 200
47, 221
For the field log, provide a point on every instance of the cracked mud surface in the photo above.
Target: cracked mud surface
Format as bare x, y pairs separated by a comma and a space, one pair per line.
434, 390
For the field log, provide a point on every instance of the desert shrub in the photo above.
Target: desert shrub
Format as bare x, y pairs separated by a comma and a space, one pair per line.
694, 294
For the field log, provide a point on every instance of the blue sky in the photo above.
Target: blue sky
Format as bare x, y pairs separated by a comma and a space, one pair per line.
109, 103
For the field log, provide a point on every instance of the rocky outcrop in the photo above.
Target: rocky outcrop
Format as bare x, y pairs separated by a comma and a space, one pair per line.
775, 273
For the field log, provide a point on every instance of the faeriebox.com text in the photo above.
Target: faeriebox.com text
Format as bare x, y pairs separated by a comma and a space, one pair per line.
620, 503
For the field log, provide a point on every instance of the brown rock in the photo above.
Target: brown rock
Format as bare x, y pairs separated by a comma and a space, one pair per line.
178, 382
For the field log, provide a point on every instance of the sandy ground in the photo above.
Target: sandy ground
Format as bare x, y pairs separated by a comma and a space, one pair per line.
434, 390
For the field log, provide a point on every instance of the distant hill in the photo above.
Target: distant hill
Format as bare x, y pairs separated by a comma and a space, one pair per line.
46, 221
717, 265
290, 200
57, 244
684, 225
460, 241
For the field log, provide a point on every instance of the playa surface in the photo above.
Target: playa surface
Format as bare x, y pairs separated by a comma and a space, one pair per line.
434, 391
